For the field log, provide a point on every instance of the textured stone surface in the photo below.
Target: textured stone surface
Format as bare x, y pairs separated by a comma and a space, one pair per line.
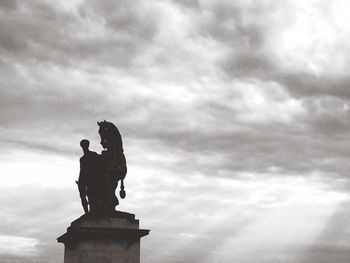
111, 239
118, 220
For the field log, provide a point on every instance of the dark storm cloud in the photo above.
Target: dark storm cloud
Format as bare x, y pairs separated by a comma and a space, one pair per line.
8, 5
96, 35
245, 30
42, 32
227, 23
232, 153
304, 85
241, 28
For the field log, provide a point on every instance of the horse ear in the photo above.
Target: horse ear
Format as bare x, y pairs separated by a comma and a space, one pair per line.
98, 123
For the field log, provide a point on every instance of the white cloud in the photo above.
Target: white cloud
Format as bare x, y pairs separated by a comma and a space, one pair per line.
17, 245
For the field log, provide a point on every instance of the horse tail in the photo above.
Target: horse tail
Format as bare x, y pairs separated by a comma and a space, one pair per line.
122, 192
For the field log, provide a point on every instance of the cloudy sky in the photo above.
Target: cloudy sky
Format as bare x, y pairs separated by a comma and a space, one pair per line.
234, 115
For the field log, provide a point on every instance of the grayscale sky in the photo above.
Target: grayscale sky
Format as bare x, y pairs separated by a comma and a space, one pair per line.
234, 115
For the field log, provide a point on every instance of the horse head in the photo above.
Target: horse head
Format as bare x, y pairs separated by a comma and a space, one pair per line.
110, 136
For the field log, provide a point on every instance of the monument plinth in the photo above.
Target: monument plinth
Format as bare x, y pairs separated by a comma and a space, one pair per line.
109, 239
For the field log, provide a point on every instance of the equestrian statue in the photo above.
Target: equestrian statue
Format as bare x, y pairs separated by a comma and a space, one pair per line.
100, 173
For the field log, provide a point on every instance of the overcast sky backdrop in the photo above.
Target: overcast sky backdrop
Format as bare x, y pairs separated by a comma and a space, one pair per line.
234, 115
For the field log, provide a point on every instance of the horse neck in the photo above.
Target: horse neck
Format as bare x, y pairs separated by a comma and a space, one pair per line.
114, 149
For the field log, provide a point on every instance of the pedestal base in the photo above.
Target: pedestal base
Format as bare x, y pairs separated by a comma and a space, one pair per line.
111, 239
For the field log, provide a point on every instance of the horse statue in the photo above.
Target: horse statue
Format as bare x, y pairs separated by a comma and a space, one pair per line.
113, 156
101, 173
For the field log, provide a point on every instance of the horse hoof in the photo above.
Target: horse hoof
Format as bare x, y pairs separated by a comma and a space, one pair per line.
122, 194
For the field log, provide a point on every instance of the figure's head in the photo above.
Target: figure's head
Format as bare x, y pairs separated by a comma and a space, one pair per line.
85, 144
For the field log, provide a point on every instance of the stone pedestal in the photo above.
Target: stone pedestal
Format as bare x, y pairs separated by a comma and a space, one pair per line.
111, 239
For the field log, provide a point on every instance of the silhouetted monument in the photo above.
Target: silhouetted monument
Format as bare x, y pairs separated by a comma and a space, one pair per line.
103, 234
100, 174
